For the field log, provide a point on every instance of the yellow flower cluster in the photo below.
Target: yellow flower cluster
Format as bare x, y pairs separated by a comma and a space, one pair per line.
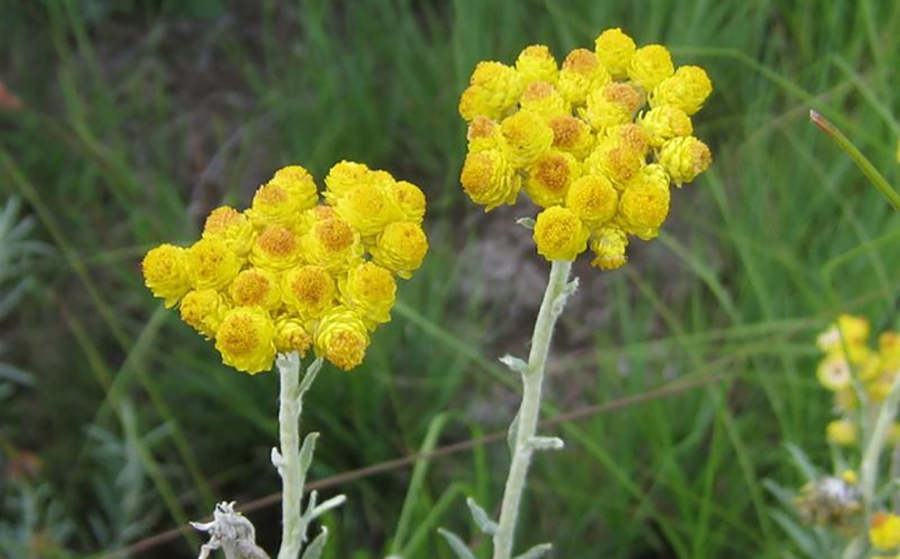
848, 364
292, 273
884, 531
596, 142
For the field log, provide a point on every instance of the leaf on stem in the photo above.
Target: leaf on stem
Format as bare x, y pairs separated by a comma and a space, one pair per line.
456, 544
526, 222
536, 552
307, 450
546, 443
515, 364
481, 518
314, 549
512, 434
331, 503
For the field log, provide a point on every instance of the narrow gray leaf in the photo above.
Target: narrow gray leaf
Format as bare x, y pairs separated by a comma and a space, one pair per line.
314, 549
482, 520
456, 544
536, 552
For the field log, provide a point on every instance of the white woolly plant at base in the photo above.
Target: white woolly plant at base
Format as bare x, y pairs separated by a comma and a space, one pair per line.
234, 534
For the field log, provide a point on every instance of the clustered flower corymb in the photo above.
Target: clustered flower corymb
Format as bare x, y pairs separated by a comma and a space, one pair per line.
596, 143
292, 272
849, 364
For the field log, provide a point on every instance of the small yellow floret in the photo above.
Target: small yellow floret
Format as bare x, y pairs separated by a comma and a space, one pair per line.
211, 264
204, 310
526, 137
593, 199
834, 373
332, 244
299, 184
256, 287
273, 205
368, 207
401, 247
342, 177
614, 49
493, 89
536, 63
549, 177
650, 65
645, 203
543, 99
231, 226
684, 158
489, 179
559, 234
884, 531
847, 330
166, 273
631, 137
616, 160
276, 248
581, 73
342, 338
308, 290
291, 335
573, 135
841, 432
246, 340
370, 290
609, 244
484, 134
850, 477
411, 201
687, 90
614, 104
664, 123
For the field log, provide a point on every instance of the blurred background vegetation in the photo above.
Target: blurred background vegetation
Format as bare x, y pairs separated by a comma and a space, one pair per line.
125, 122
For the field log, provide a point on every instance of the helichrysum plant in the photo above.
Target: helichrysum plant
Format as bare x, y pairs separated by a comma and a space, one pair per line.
596, 143
851, 512
295, 272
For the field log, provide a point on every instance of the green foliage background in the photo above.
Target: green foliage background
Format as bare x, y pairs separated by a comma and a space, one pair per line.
139, 116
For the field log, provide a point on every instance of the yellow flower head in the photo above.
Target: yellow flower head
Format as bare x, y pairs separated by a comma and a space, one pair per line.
309, 291
342, 177
276, 248
889, 352
526, 136
246, 340
614, 104
609, 244
842, 432
573, 135
834, 373
665, 123
848, 330
687, 90
593, 199
645, 203
650, 65
410, 200
256, 287
878, 390
368, 207
273, 205
484, 134
290, 335
617, 160
211, 264
588, 118
489, 179
684, 158
231, 226
884, 531
299, 184
614, 49
342, 338
493, 88
401, 248
204, 310
559, 234
549, 177
166, 273
543, 99
536, 63
333, 244
581, 73
370, 290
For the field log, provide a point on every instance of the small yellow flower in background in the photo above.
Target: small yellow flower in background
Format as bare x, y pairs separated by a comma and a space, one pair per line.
884, 531
166, 274
559, 234
850, 477
291, 273
848, 329
615, 121
842, 433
